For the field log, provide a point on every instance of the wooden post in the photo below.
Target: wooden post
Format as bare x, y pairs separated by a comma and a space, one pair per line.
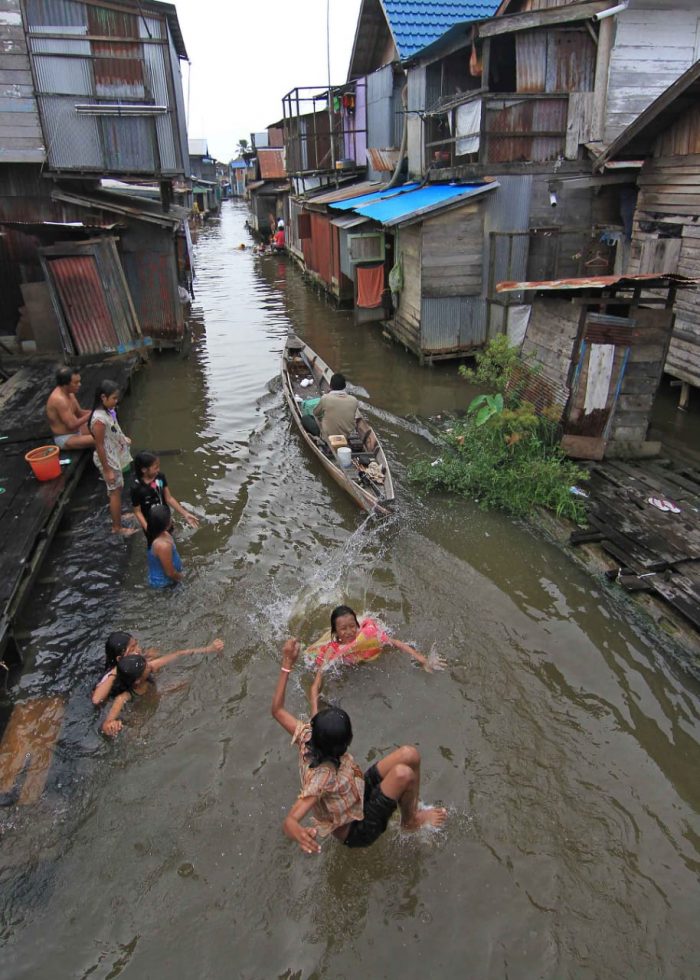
684, 400
600, 88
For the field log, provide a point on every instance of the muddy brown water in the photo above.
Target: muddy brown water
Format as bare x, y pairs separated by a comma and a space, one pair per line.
564, 744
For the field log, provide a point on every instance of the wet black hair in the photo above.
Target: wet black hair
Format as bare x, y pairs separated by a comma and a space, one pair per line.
331, 735
337, 382
159, 519
115, 646
142, 461
64, 375
105, 388
129, 670
342, 611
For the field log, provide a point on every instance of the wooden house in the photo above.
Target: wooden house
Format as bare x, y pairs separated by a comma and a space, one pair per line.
93, 94
597, 346
666, 224
530, 97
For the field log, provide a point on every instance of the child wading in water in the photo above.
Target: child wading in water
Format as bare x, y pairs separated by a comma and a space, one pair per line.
354, 807
132, 677
151, 488
352, 642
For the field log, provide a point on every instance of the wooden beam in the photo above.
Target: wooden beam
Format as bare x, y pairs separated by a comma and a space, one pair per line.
543, 18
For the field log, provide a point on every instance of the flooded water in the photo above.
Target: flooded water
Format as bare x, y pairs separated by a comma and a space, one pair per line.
563, 743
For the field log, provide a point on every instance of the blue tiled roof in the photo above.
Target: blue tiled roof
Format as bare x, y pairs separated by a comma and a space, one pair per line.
417, 23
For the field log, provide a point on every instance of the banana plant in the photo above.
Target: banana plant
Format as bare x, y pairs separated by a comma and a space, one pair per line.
485, 406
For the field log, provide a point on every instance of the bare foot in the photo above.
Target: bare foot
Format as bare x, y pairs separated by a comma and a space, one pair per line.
126, 531
432, 816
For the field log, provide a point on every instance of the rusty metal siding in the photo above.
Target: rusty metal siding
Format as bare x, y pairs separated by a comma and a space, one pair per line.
152, 283
82, 297
531, 61
452, 324
506, 118
118, 70
271, 164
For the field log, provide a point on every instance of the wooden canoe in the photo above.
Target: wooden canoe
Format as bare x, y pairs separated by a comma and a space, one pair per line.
301, 363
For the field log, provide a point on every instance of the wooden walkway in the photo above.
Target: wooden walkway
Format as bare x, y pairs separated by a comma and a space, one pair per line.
652, 550
31, 511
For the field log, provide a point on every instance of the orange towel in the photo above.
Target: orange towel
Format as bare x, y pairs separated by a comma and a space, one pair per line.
370, 285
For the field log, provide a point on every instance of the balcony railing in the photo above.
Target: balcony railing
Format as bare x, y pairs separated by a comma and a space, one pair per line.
319, 140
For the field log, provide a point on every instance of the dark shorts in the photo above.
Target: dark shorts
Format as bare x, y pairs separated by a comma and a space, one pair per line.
377, 807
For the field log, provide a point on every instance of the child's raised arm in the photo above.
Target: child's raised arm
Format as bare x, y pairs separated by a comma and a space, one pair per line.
216, 646
290, 654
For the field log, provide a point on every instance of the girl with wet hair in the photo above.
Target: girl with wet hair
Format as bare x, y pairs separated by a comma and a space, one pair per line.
150, 488
133, 677
352, 641
112, 454
353, 807
164, 562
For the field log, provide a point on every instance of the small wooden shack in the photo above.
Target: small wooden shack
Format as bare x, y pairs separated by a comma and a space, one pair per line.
666, 228
593, 357
433, 234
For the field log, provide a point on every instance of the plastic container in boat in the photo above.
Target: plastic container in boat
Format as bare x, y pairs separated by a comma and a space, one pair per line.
345, 456
44, 462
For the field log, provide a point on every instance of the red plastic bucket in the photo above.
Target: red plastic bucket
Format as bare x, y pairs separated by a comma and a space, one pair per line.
44, 462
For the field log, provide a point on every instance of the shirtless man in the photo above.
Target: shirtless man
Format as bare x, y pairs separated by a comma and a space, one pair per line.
67, 419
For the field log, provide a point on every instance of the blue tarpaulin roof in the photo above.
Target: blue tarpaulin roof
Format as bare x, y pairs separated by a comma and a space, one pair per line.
417, 23
415, 202
354, 202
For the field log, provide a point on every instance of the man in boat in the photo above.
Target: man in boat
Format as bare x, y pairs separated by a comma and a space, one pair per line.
337, 410
67, 419
278, 240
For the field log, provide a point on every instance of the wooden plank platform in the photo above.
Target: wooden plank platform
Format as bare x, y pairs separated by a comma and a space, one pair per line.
26, 749
653, 550
31, 511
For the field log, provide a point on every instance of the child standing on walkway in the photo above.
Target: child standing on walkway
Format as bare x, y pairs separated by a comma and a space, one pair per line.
353, 807
112, 453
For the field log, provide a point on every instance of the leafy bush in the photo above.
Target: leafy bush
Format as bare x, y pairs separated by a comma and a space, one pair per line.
494, 365
510, 460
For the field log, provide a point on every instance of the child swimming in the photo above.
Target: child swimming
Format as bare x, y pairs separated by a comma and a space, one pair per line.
352, 641
352, 806
131, 677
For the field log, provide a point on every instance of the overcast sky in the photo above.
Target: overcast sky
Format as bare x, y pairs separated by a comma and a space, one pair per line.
246, 54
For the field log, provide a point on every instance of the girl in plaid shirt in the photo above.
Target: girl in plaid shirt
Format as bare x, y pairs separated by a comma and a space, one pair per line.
343, 802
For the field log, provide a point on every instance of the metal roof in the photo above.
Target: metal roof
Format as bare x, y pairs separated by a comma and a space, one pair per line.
352, 203
417, 203
349, 221
271, 164
415, 24
650, 279
346, 192
141, 209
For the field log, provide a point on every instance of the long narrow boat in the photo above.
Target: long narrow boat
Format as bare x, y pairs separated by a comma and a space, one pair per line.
368, 479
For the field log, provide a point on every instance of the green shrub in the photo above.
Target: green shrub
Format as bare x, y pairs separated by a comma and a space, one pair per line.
494, 365
510, 461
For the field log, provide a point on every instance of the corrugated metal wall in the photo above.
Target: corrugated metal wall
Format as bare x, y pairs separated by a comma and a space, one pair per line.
380, 110
453, 324
113, 69
416, 103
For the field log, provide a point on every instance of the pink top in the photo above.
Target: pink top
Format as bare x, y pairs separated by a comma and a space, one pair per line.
367, 645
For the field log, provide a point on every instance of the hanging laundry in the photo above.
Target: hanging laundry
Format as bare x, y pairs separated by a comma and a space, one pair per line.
476, 66
370, 286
